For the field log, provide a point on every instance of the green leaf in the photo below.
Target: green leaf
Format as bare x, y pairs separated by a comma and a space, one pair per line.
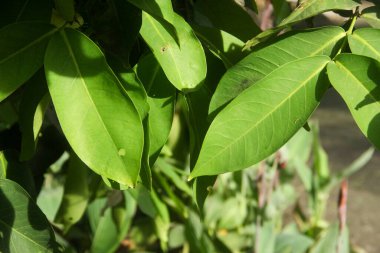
76, 194
365, 41
220, 14
24, 228
108, 233
356, 79
289, 47
328, 243
25, 10
33, 105
161, 99
157, 8
66, 8
98, 119
22, 49
371, 15
292, 243
263, 117
181, 58
310, 8
266, 237
224, 45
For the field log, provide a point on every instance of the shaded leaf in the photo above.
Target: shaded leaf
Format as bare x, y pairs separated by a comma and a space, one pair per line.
22, 49
24, 228
33, 105
220, 13
329, 241
356, 79
66, 8
371, 15
25, 10
98, 119
243, 133
292, 46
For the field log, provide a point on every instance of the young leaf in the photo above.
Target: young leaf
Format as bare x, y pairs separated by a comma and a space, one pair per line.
320, 41
98, 119
22, 49
263, 117
371, 15
356, 79
24, 228
365, 41
182, 58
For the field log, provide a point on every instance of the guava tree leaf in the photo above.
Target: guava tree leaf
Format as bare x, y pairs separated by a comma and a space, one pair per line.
371, 15
34, 103
22, 49
182, 57
24, 228
223, 45
289, 47
262, 118
220, 14
66, 8
365, 41
157, 8
25, 10
161, 99
356, 79
97, 117
311, 8
76, 193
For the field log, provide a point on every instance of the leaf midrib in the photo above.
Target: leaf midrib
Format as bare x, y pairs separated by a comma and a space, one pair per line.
22, 235
89, 95
264, 118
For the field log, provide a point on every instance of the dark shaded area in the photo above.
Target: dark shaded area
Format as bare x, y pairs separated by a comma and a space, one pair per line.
5, 232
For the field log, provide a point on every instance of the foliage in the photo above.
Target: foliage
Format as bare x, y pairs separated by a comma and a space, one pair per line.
151, 126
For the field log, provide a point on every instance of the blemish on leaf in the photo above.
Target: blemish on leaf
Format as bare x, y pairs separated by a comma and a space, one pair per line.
163, 49
121, 152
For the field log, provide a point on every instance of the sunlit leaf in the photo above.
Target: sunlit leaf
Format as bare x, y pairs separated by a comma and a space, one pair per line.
320, 41
366, 41
98, 119
371, 15
356, 79
263, 117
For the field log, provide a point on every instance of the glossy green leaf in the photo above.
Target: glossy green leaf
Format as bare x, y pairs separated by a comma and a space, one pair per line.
25, 10
224, 45
22, 49
281, 10
181, 58
161, 99
66, 9
24, 228
76, 194
320, 41
157, 8
366, 41
310, 8
243, 133
371, 15
356, 79
33, 105
220, 14
98, 119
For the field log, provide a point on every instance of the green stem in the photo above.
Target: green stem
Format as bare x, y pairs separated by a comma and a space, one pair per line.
349, 31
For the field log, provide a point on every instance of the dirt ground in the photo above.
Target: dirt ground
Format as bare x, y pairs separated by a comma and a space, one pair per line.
344, 142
